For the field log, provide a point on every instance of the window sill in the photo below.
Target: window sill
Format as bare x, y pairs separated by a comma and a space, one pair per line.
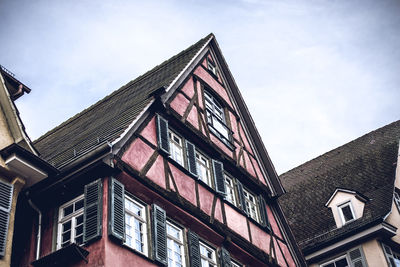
140, 254
70, 254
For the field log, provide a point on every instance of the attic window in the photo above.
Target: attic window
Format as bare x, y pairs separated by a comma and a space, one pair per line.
346, 212
211, 66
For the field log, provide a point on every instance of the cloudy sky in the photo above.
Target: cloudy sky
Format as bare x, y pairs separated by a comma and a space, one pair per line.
315, 74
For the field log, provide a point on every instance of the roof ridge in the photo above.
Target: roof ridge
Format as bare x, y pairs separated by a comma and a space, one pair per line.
121, 89
337, 148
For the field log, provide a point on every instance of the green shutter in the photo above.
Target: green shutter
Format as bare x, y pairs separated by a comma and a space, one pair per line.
6, 191
225, 258
357, 258
93, 206
162, 134
242, 201
117, 210
194, 249
263, 211
159, 234
218, 169
191, 158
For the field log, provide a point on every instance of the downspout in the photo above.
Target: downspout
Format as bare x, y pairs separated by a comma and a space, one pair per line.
39, 232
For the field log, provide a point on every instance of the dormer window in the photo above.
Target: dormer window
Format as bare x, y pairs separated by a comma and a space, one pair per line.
216, 116
346, 212
346, 206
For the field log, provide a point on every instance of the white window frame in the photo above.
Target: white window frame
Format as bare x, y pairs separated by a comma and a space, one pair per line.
141, 219
230, 190
343, 205
337, 259
235, 264
216, 116
175, 240
70, 217
212, 67
204, 258
391, 257
253, 213
176, 148
200, 157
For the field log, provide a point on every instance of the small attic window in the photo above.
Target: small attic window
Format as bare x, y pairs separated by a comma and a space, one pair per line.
346, 212
211, 66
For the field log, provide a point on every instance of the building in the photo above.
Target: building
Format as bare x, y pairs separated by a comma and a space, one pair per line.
20, 167
167, 170
343, 206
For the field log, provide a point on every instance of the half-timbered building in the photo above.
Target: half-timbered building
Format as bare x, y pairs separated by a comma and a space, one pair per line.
168, 170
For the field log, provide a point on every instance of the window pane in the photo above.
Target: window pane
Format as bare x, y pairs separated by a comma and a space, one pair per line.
68, 210
174, 246
348, 215
341, 263
79, 205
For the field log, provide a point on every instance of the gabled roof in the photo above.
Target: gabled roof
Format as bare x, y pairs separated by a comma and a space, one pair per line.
358, 195
109, 118
366, 165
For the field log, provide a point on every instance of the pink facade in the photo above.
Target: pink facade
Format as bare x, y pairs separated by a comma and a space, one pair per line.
151, 176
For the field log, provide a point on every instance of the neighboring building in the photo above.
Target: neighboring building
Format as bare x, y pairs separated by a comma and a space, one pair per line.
20, 167
167, 170
344, 207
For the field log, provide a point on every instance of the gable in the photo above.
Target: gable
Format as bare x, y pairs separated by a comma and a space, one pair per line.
188, 104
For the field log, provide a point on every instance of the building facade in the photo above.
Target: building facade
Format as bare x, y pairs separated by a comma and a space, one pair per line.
169, 170
344, 206
20, 167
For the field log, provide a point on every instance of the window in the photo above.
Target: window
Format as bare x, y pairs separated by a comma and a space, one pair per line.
251, 205
211, 67
207, 254
216, 117
353, 257
230, 190
392, 257
397, 200
175, 247
346, 212
338, 262
135, 225
176, 147
70, 223
203, 168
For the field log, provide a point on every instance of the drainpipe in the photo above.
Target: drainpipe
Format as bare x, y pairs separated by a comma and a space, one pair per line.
39, 234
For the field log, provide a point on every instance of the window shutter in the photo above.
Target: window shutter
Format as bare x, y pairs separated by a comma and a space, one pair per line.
225, 258
117, 210
92, 214
160, 234
263, 211
191, 158
6, 191
162, 134
218, 168
242, 201
194, 249
357, 259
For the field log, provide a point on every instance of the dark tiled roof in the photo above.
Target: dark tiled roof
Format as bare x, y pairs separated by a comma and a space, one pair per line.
366, 165
108, 118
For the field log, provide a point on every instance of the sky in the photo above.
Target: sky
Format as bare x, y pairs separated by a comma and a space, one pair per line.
315, 74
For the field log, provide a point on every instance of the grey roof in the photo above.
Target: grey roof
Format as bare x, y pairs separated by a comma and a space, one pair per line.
366, 165
106, 120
